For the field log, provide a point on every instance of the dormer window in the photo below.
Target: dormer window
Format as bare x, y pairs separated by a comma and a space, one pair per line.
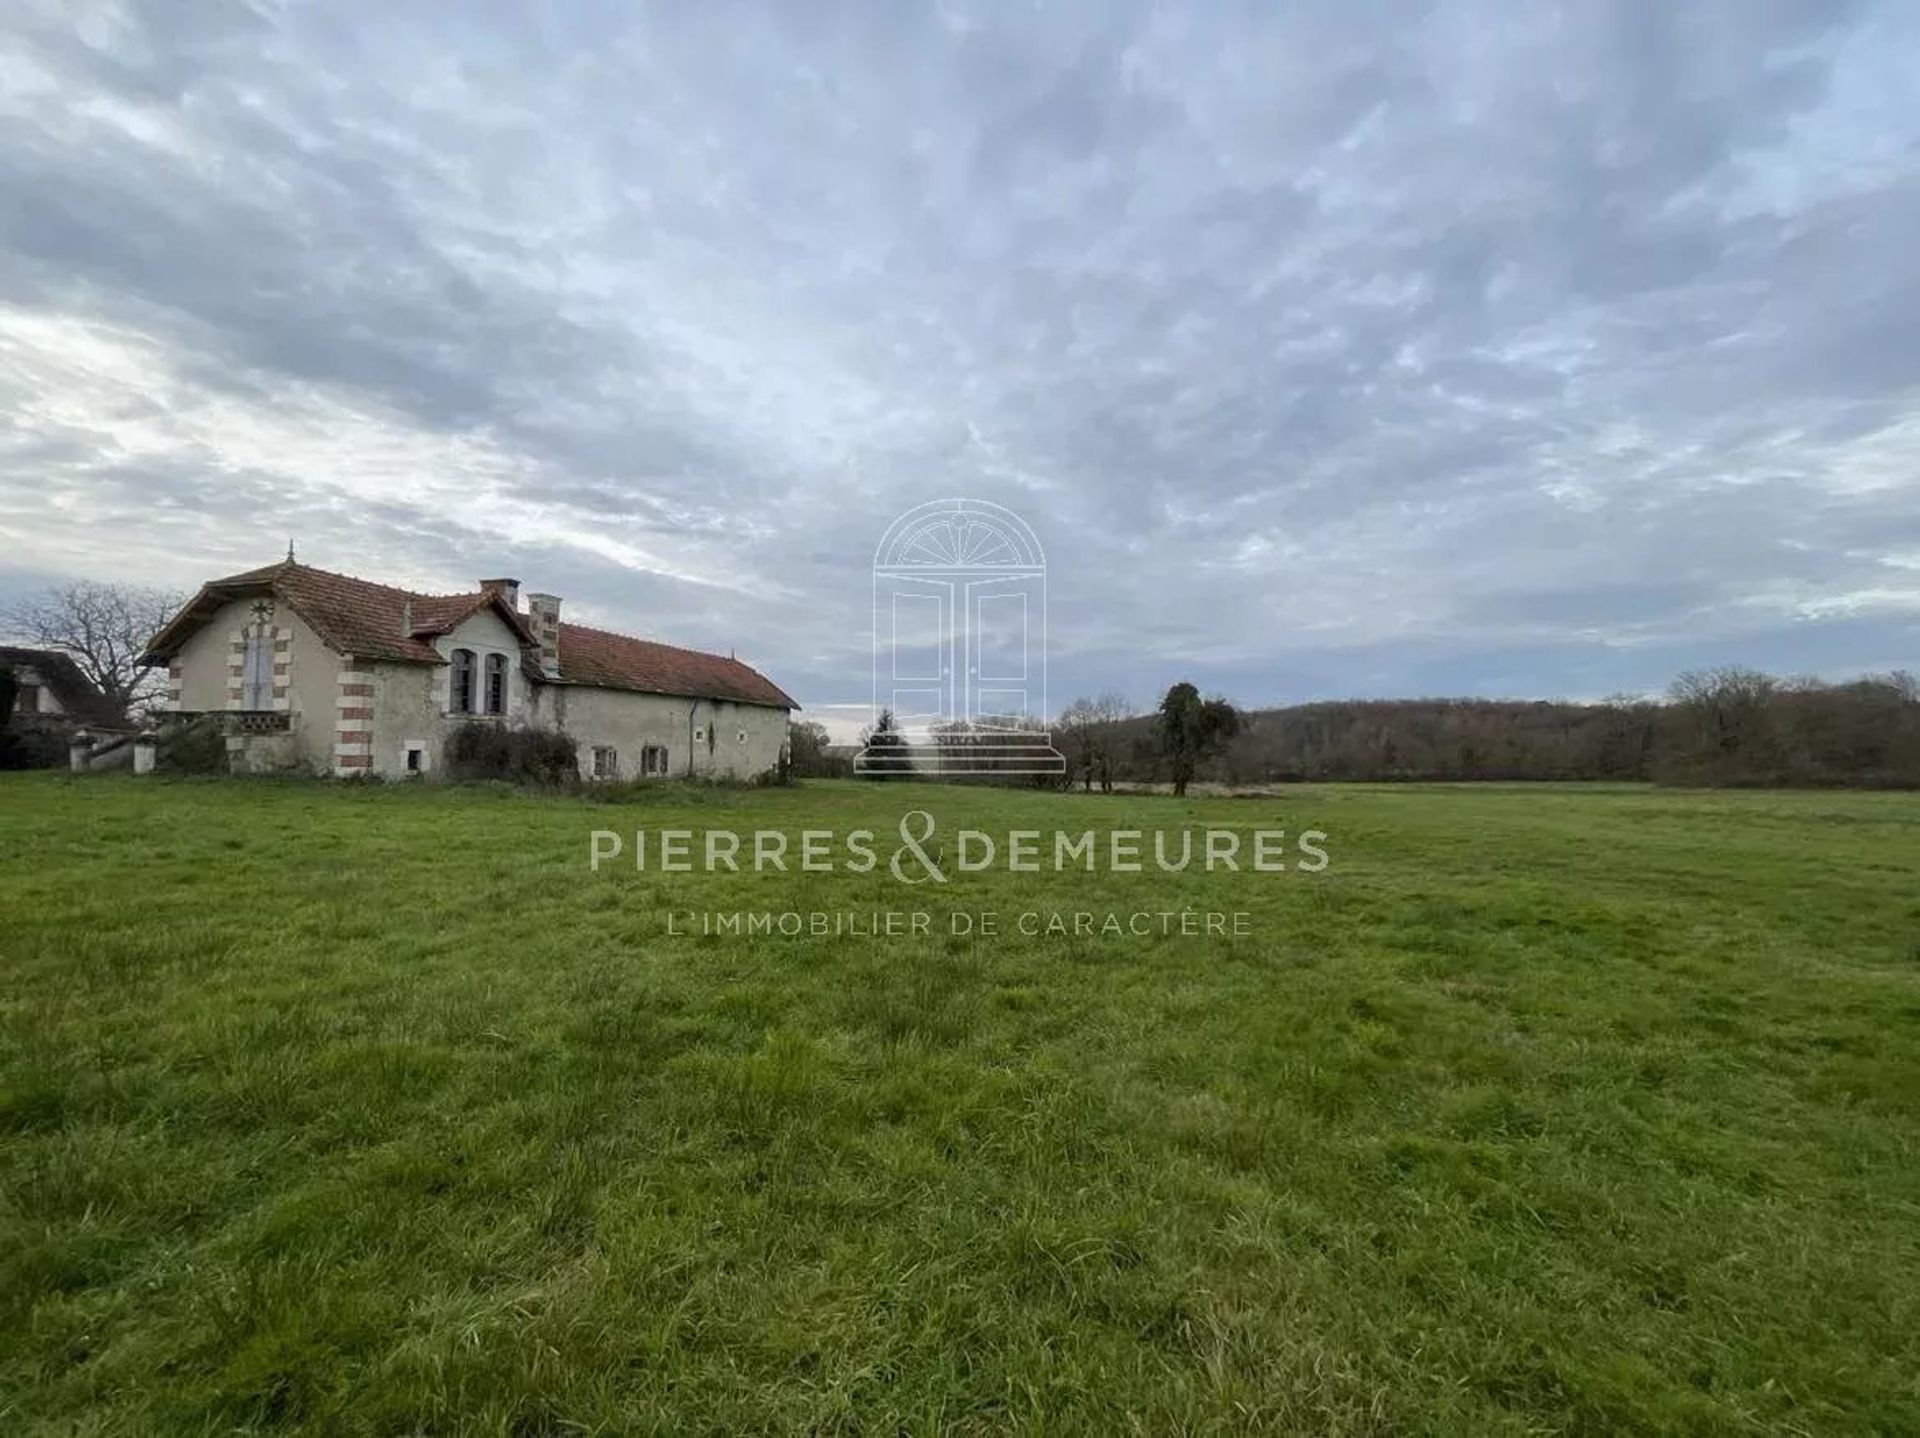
496, 684
460, 692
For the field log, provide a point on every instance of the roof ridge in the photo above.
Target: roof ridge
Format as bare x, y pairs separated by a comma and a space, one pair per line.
281, 566
657, 643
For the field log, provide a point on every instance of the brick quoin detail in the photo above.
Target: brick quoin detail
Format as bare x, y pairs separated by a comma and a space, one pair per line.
353, 705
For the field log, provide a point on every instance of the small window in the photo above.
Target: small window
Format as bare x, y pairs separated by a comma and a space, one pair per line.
743, 736
653, 760
496, 684
699, 734
606, 762
414, 756
460, 695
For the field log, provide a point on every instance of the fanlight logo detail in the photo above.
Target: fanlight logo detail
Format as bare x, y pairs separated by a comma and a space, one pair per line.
959, 645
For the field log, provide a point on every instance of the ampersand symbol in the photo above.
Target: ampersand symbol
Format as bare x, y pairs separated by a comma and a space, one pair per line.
910, 841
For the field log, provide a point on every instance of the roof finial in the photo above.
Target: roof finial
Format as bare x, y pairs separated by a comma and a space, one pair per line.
290, 549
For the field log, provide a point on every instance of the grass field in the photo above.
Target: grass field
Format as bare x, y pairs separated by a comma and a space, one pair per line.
1542, 1109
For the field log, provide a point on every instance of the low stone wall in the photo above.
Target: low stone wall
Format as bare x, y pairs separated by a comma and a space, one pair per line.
264, 753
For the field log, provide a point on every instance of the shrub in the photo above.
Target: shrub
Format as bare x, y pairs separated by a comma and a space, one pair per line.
520, 755
27, 745
192, 749
807, 756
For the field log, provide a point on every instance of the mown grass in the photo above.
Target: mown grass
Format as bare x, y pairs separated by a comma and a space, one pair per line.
373, 1111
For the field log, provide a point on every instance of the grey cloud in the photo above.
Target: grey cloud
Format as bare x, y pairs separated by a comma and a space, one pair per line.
1414, 335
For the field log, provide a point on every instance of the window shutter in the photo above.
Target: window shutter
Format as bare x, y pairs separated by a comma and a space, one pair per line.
258, 679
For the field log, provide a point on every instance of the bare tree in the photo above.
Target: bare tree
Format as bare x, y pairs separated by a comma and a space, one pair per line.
1724, 720
1076, 736
105, 628
1090, 730
1109, 711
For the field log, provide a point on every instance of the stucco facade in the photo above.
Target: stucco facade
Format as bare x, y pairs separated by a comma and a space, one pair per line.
201, 678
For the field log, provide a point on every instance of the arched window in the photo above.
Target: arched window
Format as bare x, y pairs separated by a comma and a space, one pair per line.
496, 684
460, 697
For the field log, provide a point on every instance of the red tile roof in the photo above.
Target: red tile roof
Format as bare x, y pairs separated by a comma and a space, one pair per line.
616, 661
378, 621
443, 613
353, 616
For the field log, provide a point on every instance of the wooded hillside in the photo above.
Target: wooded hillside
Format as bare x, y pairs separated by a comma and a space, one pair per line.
1718, 727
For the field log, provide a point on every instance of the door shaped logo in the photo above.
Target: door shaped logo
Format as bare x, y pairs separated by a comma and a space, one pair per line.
960, 639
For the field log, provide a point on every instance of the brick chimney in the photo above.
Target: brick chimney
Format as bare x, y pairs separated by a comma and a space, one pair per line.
543, 618
507, 589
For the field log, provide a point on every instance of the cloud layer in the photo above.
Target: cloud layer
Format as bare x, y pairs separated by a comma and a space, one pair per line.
1336, 348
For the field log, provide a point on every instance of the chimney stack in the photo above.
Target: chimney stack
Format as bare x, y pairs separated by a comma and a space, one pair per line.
543, 618
507, 589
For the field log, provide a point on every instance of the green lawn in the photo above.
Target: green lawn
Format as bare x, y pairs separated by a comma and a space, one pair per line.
1542, 1109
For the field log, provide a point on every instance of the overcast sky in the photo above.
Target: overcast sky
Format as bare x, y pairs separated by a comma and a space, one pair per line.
1330, 348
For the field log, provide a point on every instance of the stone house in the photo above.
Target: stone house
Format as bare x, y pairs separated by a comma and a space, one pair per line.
307, 668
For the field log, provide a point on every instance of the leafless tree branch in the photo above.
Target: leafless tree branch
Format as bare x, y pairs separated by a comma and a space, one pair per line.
105, 628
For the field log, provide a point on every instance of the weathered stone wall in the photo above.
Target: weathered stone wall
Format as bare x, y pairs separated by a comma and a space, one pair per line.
407, 703
704, 738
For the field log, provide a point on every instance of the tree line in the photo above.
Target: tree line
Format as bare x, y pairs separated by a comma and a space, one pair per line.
1728, 726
